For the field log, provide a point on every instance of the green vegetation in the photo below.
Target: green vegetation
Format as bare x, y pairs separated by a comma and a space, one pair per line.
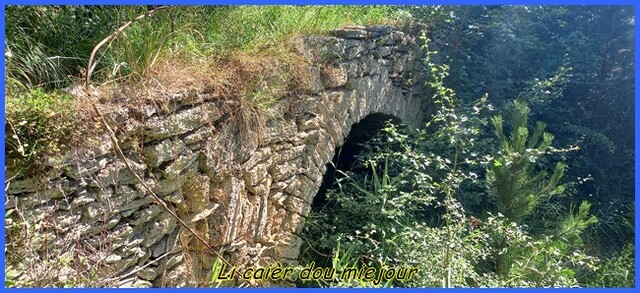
574, 68
244, 52
471, 199
511, 180
39, 127
46, 45
29, 236
477, 201
617, 272
405, 210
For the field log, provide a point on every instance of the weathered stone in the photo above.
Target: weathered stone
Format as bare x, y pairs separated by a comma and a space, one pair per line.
168, 186
180, 164
263, 207
64, 220
54, 193
300, 187
198, 136
240, 184
182, 122
144, 216
31, 201
103, 227
286, 170
176, 277
85, 168
83, 197
293, 249
312, 84
116, 173
148, 274
258, 156
135, 204
354, 52
135, 283
333, 77
10, 202
235, 206
293, 222
256, 174
143, 111
278, 197
166, 245
378, 31
391, 39
287, 155
351, 33
280, 131
175, 197
325, 49
196, 193
105, 147
91, 211
399, 63
112, 258
163, 151
54, 189
157, 229
295, 204
124, 194
174, 260
131, 245
204, 213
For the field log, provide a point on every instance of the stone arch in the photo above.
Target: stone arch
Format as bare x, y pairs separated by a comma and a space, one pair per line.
361, 76
249, 199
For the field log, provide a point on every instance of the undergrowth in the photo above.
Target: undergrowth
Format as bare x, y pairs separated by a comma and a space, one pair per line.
49, 45
36, 255
39, 125
407, 209
243, 54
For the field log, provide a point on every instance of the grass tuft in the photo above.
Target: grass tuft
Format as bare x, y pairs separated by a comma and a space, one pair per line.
49, 45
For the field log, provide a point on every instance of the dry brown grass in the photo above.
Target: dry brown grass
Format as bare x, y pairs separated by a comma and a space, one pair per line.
233, 77
247, 86
39, 256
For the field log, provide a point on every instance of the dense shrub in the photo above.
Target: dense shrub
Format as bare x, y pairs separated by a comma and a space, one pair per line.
405, 210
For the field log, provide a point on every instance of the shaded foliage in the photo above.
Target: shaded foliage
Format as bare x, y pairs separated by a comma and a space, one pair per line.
407, 210
574, 66
571, 67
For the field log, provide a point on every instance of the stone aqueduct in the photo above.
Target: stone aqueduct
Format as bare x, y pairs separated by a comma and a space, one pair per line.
247, 197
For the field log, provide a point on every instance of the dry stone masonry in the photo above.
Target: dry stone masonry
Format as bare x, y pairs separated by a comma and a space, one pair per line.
248, 196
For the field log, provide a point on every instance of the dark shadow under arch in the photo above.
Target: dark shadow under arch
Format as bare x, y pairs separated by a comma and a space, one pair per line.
345, 155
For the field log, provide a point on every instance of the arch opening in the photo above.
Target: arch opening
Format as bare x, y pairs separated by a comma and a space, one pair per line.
346, 155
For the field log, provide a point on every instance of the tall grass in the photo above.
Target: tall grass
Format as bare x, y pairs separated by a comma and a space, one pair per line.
242, 52
48, 45
252, 27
